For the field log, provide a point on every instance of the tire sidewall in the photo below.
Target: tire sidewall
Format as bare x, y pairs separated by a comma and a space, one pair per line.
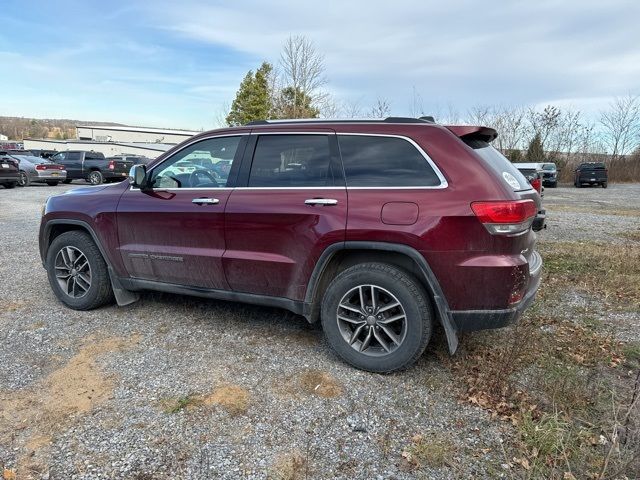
99, 271
98, 177
24, 179
417, 326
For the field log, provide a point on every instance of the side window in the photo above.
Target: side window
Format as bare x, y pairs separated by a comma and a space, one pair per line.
205, 164
73, 156
371, 161
292, 161
58, 157
93, 156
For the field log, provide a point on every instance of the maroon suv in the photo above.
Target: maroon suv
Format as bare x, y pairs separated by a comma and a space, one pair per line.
376, 228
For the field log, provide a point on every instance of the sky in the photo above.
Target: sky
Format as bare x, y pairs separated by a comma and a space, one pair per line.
178, 64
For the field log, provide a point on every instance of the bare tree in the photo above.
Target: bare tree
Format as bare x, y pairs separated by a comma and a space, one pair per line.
545, 122
621, 125
302, 70
417, 105
381, 109
351, 108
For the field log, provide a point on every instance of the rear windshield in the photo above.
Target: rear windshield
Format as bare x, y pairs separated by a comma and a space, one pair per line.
593, 166
549, 166
505, 170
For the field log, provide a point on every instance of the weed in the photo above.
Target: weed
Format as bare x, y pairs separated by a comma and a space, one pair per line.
175, 405
432, 452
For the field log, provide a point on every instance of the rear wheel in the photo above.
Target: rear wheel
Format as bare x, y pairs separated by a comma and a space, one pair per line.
95, 177
10, 184
52, 183
24, 180
377, 317
77, 272
604, 184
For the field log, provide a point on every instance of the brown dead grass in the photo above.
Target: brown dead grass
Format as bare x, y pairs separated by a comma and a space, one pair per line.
11, 305
32, 416
598, 209
233, 398
322, 384
289, 466
435, 451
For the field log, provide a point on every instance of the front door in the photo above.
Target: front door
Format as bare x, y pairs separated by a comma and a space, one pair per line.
290, 204
174, 231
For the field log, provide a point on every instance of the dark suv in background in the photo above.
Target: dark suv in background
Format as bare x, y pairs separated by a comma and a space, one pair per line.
377, 229
591, 173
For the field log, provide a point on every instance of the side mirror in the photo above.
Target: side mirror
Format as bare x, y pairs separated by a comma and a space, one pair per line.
138, 175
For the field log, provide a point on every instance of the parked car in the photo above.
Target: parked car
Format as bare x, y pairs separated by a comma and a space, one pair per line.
42, 153
592, 173
533, 173
550, 175
377, 229
38, 170
92, 167
9, 172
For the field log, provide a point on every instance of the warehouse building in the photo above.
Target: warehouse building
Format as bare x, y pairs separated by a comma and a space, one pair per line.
115, 140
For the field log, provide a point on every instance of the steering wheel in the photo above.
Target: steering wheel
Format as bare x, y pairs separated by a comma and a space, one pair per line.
195, 181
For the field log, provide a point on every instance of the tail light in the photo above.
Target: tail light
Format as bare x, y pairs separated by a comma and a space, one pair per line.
112, 165
537, 184
505, 217
41, 167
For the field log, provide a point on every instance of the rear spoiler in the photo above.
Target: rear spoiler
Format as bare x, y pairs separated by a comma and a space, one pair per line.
483, 133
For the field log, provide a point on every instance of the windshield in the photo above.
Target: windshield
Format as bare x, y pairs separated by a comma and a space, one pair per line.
499, 164
549, 166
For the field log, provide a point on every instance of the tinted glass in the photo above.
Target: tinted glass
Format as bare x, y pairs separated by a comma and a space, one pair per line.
292, 161
499, 164
93, 156
73, 156
371, 161
205, 164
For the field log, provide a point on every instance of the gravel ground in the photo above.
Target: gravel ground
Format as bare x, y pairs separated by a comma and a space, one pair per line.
592, 214
176, 387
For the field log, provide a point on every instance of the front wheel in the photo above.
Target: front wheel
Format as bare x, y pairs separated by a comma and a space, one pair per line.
377, 317
95, 177
604, 184
77, 272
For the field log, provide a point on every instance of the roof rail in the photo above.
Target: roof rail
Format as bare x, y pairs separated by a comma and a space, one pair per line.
425, 119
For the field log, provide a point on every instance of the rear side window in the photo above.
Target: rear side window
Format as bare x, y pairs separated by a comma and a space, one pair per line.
292, 161
93, 156
373, 161
500, 164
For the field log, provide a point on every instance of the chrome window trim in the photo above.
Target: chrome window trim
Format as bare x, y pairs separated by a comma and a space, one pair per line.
443, 181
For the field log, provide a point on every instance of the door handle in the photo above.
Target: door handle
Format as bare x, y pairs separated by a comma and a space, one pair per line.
205, 201
321, 201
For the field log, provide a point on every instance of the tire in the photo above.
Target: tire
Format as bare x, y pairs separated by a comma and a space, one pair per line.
10, 184
95, 177
604, 184
391, 284
52, 183
24, 181
578, 185
78, 296
67, 182
553, 185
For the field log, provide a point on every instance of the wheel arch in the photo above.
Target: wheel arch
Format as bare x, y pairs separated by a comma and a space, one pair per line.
340, 256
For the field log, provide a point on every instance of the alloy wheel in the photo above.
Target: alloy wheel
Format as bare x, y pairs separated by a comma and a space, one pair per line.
372, 320
73, 272
22, 181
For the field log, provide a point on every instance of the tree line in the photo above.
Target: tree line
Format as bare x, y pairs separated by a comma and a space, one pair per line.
294, 88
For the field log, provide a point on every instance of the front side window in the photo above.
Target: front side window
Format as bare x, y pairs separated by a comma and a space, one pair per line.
375, 161
292, 161
205, 164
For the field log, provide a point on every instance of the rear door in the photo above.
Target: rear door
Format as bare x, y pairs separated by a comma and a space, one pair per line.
291, 203
174, 231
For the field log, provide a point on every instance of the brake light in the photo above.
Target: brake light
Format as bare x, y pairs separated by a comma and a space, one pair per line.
537, 184
505, 217
112, 165
40, 167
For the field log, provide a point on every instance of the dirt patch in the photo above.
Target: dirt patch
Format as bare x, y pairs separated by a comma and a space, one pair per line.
289, 466
316, 382
233, 398
32, 416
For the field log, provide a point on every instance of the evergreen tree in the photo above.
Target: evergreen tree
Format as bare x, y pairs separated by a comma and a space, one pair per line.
253, 99
293, 103
535, 152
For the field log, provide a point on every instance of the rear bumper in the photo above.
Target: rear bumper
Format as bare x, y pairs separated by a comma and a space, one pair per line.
44, 176
109, 174
471, 320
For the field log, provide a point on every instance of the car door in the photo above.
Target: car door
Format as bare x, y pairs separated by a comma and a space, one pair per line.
290, 204
173, 232
73, 163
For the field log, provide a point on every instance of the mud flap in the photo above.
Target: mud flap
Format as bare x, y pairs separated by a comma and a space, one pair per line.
447, 324
123, 296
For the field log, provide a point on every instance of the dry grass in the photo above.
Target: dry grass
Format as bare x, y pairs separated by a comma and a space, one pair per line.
290, 466
620, 170
597, 209
634, 236
316, 382
561, 381
430, 451
233, 398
